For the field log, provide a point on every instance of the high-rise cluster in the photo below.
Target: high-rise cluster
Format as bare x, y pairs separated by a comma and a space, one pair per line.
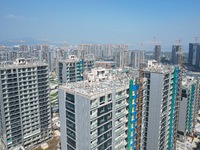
105, 114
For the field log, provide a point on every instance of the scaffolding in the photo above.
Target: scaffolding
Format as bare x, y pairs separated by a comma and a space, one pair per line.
139, 106
179, 92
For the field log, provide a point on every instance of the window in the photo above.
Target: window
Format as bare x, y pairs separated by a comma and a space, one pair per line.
71, 134
109, 116
70, 106
70, 125
109, 106
101, 138
101, 110
70, 97
71, 142
102, 99
70, 116
109, 97
101, 130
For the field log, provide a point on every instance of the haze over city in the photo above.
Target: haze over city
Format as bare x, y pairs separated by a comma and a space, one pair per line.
119, 22
100, 75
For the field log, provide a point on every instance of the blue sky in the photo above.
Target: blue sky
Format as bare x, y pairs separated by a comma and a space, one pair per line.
102, 21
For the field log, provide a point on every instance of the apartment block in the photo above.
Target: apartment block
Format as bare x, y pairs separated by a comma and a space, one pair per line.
136, 57
187, 106
157, 51
71, 69
24, 104
194, 54
97, 115
176, 55
160, 119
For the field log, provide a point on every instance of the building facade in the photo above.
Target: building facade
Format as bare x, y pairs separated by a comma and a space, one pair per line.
176, 55
136, 57
187, 107
71, 69
157, 51
162, 106
25, 107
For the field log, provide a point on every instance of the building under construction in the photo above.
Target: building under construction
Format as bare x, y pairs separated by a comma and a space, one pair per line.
108, 119
123, 109
159, 130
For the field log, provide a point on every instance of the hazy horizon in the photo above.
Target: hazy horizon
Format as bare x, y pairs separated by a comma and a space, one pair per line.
118, 22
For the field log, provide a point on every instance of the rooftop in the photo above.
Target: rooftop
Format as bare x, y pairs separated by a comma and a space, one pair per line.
188, 81
21, 63
71, 58
153, 66
89, 89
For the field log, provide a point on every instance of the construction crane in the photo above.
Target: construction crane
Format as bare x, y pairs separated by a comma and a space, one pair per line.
196, 39
154, 40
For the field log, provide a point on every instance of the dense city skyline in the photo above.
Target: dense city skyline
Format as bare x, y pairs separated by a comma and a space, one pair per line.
129, 22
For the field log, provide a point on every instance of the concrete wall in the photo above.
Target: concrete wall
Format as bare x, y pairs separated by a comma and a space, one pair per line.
82, 120
62, 112
155, 98
182, 115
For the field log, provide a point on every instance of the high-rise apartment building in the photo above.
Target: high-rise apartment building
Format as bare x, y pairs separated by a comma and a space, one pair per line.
162, 106
136, 57
187, 106
122, 56
157, 51
25, 108
99, 115
100, 50
176, 55
71, 69
194, 54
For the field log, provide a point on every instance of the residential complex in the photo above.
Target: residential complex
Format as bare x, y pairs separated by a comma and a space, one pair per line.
102, 50
25, 107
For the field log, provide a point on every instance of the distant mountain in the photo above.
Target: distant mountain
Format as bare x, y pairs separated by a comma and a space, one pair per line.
23, 41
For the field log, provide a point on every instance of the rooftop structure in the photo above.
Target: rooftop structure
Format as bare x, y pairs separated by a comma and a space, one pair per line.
153, 66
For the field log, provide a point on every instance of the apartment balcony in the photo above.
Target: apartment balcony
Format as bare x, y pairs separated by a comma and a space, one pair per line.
94, 134
120, 131
121, 145
120, 138
120, 123
32, 121
94, 144
120, 106
43, 77
121, 97
94, 105
94, 125
121, 114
